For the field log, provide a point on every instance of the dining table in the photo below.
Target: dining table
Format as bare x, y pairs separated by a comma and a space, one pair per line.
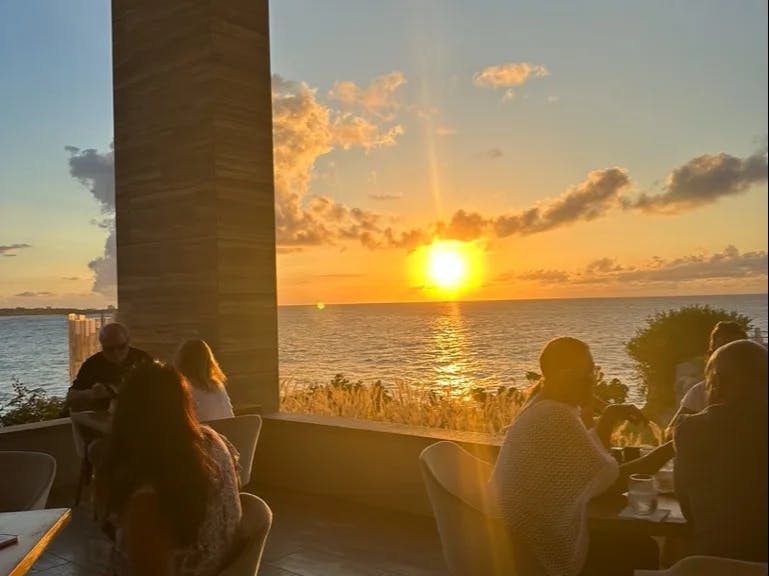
611, 513
35, 530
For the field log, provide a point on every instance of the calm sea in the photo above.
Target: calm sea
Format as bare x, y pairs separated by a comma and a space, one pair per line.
439, 345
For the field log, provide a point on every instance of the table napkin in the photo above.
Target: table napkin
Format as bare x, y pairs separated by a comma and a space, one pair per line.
657, 516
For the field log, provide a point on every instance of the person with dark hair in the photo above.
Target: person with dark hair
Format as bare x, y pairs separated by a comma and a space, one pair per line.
695, 399
551, 465
101, 374
170, 484
196, 362
720, 474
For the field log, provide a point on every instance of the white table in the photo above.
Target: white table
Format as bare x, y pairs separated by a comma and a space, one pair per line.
35, 530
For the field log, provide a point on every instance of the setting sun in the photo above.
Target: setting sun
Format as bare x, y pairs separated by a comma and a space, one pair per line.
447, 267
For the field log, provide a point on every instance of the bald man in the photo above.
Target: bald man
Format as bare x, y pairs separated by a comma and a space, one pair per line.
100, 374
721, 457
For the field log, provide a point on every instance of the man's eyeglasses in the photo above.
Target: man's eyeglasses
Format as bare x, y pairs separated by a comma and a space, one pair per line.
115, 347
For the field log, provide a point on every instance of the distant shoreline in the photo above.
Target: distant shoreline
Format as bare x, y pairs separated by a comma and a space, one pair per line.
54, 311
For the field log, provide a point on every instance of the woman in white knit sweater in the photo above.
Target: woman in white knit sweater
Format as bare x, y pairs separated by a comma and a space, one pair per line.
197, 364
552, 463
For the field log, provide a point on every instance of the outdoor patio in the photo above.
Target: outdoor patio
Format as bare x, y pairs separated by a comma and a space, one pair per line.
310, 536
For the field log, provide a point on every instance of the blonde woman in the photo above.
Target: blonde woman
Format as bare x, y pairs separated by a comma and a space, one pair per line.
195, 361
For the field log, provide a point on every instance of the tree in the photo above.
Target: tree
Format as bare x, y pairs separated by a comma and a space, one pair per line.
668, 339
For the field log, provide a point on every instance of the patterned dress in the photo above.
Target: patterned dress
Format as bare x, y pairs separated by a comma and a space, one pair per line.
220, 525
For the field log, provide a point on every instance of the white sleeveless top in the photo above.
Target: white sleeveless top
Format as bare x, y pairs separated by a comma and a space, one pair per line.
213, 405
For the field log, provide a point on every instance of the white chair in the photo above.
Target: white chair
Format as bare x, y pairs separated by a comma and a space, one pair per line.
709, 566
243, 433
252, 535
26, 480
474, 539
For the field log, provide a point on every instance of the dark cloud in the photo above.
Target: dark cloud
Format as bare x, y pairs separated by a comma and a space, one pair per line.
704, 180
10, 250
544, 276
603, 266
70, 278
96, 171
589, 200
728, 264
33, 294
491, 154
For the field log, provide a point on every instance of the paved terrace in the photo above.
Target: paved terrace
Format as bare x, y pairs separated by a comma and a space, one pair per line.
311, 536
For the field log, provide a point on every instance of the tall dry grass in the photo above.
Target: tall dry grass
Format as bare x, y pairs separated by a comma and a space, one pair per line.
478, 411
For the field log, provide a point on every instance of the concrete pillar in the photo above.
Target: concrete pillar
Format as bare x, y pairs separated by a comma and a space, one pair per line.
194, 183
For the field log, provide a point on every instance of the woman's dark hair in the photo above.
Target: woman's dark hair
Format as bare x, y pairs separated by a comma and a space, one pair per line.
156, 441
567, 370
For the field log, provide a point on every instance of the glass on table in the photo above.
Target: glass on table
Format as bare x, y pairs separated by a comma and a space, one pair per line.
642, 493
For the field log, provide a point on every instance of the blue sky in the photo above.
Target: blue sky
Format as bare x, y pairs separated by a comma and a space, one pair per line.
643, 86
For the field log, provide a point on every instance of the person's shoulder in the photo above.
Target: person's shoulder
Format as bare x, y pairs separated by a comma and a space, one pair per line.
695, 398
139, 355
93, 360
691, 426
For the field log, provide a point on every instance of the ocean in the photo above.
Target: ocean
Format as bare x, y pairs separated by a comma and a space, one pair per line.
449, 346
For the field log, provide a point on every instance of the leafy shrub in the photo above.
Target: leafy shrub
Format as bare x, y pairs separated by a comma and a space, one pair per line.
668, 339
29, 405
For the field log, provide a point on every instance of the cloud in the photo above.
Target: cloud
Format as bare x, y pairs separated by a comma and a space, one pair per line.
385, 196
378, 99
304, 129
491, 154
509, 75
9, 250
33, 294
70, 278
444, 131
600, 192
96, 171
543, 276
552, 99
704, 180
603, 265
729, 264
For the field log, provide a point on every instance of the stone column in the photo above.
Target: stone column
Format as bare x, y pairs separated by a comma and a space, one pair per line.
194, 183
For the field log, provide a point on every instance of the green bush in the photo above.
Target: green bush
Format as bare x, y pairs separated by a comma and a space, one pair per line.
668, 339
29, 405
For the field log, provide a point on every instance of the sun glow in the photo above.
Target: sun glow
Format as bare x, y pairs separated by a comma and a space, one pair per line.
447, 267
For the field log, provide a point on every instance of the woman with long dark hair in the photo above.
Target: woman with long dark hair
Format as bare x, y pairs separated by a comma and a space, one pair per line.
170, 483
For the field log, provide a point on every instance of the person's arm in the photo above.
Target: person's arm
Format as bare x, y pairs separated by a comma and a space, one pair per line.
84, 399
148, 544
649, 463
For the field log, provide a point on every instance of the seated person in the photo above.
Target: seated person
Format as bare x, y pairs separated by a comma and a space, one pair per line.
195, 361
721, 457
550, 466
694, 400
103, 372
170, 483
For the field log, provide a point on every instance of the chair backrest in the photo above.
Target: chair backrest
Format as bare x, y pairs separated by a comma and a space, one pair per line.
709, 566
243, 433
26, 480
252, 535
473, 539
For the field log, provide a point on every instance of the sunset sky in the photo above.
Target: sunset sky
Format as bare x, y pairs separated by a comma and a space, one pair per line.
598, 148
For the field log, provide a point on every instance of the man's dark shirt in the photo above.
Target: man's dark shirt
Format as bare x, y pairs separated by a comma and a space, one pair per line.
98, 369
721, 480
